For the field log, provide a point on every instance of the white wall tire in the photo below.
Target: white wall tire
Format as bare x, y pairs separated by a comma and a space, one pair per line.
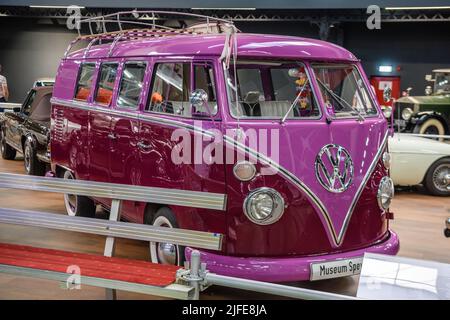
78, 205
430, 126
166, 253
70, 201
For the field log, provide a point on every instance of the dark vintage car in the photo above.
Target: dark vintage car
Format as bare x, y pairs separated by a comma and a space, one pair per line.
427, 114
27, 131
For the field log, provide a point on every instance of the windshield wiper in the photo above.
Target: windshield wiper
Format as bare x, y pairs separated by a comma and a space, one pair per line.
283, 119
341, 101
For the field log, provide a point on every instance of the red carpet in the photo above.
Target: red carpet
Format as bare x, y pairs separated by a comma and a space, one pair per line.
90, 265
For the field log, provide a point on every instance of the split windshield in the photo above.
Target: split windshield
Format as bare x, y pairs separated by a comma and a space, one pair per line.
343, 90
271, 90
442, 83
282, 90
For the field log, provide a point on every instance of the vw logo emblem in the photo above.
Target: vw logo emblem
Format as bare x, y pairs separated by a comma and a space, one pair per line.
334, 168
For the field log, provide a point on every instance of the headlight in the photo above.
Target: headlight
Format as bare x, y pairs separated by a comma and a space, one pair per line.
407, 113
385, 193
264, 206
387, 160
244, 170
387, 111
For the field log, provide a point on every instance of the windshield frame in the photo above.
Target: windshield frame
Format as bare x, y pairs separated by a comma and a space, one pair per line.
360, 74
257, 60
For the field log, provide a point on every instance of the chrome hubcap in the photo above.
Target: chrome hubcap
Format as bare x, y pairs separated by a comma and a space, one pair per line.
167, 253
441, 177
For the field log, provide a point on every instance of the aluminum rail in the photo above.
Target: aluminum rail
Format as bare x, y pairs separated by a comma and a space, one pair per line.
175, 291
272, 288
196, 199
127, 230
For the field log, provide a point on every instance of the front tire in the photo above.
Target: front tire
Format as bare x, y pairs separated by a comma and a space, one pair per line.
8, 153
79, 206
166, 253
31, 163
437, 180
430, 126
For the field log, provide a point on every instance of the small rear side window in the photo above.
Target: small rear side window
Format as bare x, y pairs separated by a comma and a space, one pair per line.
131, 84
84, 84
105, 86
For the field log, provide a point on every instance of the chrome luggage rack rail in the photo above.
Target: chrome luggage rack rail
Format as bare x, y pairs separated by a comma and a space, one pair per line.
204, 25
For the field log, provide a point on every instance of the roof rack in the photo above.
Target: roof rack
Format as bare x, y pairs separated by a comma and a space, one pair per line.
204, 25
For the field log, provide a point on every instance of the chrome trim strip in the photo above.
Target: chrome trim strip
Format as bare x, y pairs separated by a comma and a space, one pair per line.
127, 230
196, 199
337, 239
175, 291
129, 114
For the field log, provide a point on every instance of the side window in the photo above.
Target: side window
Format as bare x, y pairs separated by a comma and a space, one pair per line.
43, 109
170, 89
131, 84
84, 84
105, 86
204, 79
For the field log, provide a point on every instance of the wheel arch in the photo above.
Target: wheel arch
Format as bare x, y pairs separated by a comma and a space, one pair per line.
25, 137
422, 117
432, 164
151, 209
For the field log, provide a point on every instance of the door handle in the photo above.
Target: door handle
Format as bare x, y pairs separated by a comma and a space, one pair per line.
142, 145
112, 136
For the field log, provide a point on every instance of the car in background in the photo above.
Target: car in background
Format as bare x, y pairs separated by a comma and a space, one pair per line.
428, 114
44, 82
417, 160
28, 131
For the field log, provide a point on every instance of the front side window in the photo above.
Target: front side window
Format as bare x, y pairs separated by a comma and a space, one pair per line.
104, 93
204, 80
131, 84
42, 111
27, 105
343, 90
85, 79
271, 90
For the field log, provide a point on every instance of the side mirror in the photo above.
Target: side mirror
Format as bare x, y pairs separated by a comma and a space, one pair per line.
429, 77
387, 94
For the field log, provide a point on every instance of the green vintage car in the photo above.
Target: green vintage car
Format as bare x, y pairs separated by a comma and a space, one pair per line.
428, 114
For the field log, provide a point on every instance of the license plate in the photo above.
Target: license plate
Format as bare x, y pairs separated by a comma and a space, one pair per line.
336, 268
401, 123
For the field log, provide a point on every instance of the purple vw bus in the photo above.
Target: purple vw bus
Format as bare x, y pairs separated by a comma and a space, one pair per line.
286, 128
